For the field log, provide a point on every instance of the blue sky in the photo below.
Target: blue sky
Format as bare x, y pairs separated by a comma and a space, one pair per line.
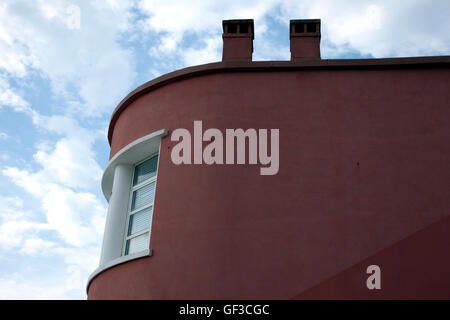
65, 65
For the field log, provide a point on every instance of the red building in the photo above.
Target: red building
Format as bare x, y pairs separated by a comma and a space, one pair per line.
363, 179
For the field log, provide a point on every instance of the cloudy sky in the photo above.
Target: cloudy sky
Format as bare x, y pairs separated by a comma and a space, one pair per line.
65, 65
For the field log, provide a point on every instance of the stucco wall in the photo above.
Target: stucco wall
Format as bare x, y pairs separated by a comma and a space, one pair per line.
364, 163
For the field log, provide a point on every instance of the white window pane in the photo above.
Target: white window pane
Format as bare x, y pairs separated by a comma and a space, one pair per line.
143, 196
145, 170
138, 243
140, 221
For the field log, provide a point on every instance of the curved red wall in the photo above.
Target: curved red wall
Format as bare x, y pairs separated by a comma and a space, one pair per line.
364, 163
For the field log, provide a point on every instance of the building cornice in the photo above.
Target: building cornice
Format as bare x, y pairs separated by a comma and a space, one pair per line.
274, 66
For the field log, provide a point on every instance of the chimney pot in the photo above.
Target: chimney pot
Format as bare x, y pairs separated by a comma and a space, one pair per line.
237, 38
304, 38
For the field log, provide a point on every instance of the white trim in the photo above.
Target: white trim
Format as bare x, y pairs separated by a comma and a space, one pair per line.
150, 204
137, 234
116, 215
131, 154
130, 212
147, 181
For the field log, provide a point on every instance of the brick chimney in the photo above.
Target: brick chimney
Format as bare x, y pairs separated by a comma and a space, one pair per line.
237, 38
304, 36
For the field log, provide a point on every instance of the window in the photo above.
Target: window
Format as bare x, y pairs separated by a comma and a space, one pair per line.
299, 27
140, 212
310, 27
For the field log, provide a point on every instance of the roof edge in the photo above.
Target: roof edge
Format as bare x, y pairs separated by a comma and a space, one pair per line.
268, 66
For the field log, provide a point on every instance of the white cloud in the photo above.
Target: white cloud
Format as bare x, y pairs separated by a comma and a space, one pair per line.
15, 286
8, 97
22, 235
70, 210
174, 20
15, 223
77, 216
68, 171
380, 28
68, 283
174, 16
10, 202
35, 245
85, 258
37, 35
208, 53
72, 161
11, 99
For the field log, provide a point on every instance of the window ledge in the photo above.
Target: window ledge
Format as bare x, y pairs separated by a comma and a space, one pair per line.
117, 261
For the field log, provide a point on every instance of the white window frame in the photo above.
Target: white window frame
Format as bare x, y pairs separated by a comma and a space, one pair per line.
129, 155
130, 202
